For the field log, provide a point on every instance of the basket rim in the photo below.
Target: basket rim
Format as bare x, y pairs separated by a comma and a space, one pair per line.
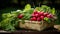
28, 21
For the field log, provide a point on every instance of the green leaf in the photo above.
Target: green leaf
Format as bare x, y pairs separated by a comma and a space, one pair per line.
53, 11
44, 8
47, 19
27, 7
6, 15
37, 8
29, 11
9, 21
27, 16
9, 27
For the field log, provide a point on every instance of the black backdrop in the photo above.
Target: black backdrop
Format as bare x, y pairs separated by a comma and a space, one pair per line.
9, 3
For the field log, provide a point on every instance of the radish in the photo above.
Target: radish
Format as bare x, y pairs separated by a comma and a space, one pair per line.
41, 13
42, 17
49, 15
36, 15
33, 15
33, 19
35, 12
45, 14
38, 19
20, 16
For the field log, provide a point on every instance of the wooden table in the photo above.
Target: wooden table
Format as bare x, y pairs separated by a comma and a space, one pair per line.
46, 31
30, 32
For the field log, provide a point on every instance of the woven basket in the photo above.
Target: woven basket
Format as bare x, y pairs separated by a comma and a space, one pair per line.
35, 25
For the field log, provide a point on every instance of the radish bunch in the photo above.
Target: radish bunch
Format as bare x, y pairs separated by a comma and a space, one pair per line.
38, 16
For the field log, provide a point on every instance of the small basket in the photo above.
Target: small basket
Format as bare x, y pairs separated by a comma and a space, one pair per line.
35, 25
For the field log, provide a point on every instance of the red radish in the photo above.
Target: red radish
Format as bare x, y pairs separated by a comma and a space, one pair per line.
33, 19
38, 19
35, 12
36, 15
33, 15
41, 13
50, 16
42, 17
20, 16
45, 14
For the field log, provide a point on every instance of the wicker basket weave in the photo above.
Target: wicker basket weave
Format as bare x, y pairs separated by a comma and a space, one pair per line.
35, 25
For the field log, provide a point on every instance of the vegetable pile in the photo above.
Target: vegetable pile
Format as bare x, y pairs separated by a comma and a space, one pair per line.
38, 16
10, 20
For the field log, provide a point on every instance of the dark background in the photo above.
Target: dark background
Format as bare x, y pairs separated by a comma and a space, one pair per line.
22, 3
